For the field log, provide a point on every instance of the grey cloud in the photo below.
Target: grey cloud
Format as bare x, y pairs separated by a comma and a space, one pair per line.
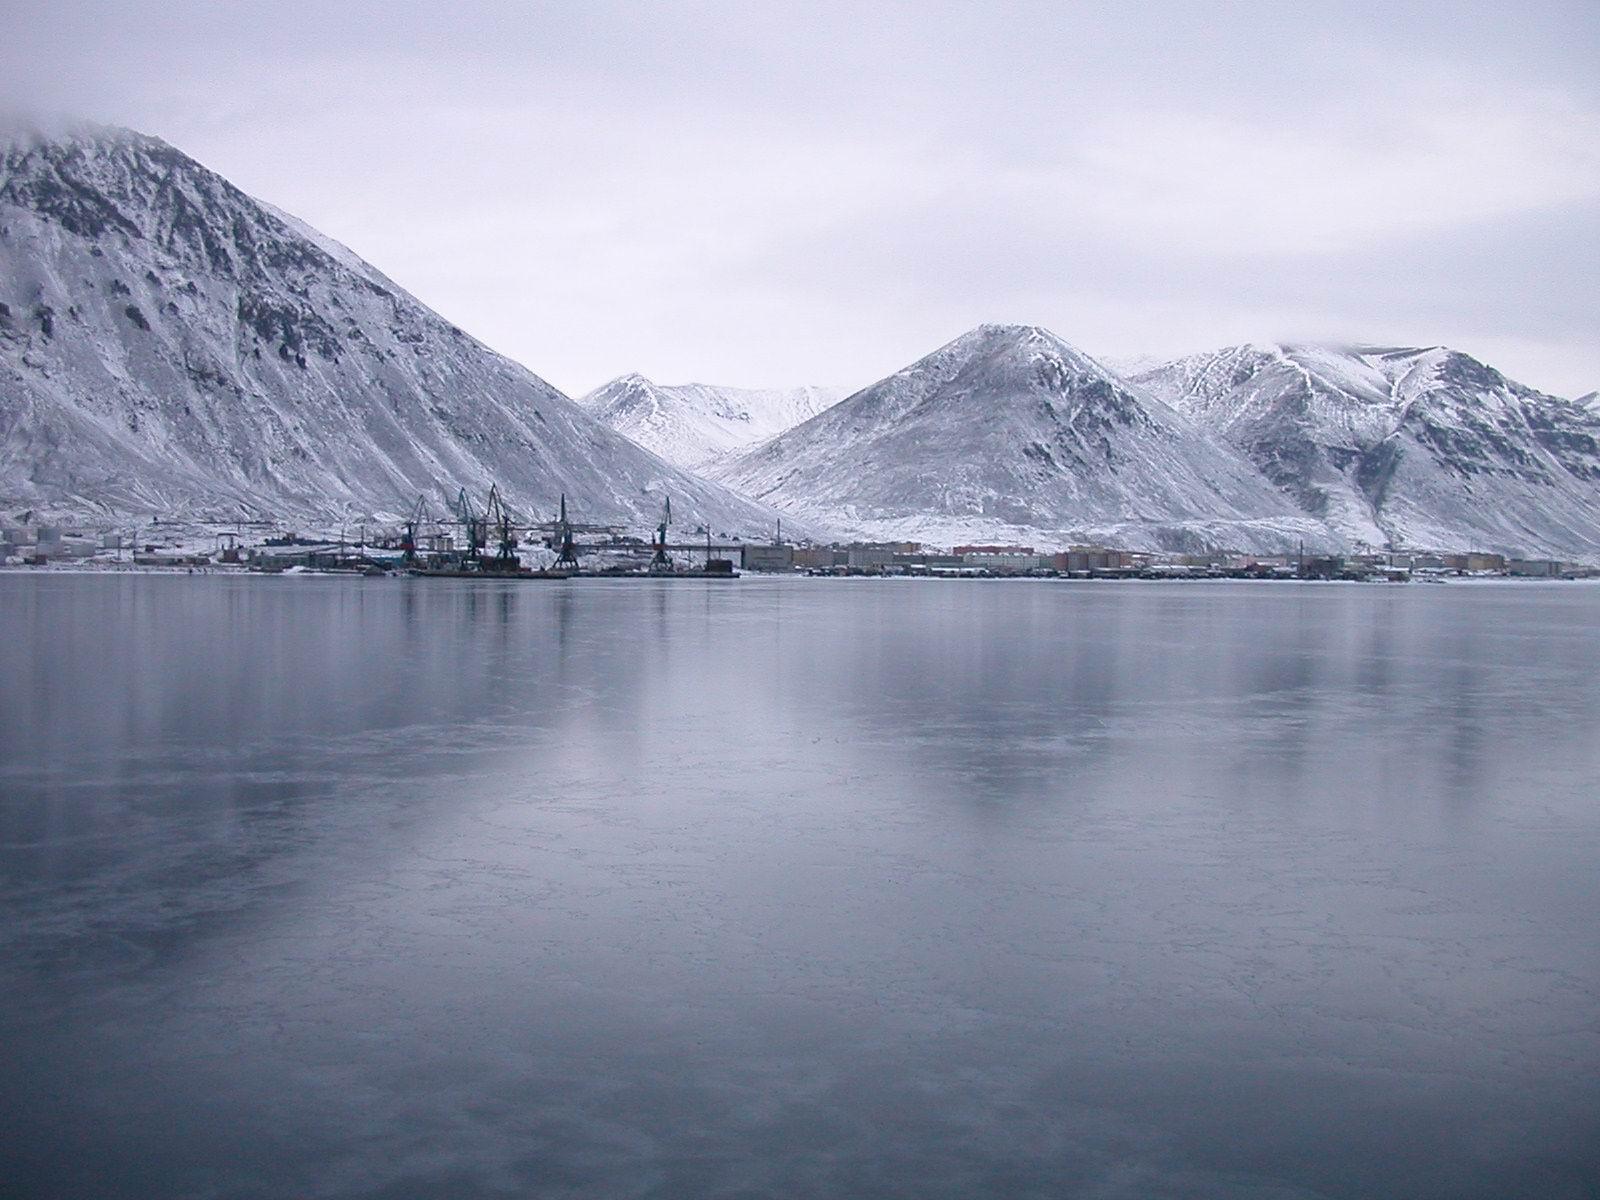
794, 193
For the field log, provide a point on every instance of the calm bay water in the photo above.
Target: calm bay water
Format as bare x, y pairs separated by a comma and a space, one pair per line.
419, 888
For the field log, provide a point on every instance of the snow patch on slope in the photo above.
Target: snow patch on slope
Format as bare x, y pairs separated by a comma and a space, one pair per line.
693, 424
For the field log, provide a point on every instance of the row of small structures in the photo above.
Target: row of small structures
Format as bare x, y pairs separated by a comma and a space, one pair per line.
617, 553
1101, 562
487, 539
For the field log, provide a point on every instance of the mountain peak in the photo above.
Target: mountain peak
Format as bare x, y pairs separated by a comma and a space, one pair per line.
1005, 430
1019, 336
1006, 329
174, 347
1008, 360
18, 132
624, 389
1366, 376
691, 424
86, 153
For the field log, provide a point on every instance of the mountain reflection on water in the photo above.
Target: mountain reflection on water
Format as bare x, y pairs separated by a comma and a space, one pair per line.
802, 887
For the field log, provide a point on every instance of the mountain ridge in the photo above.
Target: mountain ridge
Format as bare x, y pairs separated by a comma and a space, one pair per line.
1400, 446
693, 424
1008, 431
169, 346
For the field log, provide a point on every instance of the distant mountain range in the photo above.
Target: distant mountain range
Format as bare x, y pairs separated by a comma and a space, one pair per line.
1403, 447
1008, 433
171, 347
693, 424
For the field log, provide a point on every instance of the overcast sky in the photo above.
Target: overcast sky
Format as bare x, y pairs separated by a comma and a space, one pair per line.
820, 193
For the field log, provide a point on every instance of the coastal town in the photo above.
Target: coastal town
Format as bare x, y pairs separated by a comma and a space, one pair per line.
552, 549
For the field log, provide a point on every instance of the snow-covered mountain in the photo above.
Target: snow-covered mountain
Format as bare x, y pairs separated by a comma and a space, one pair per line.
171, 347
1008, 433
1404, 447
1589, 400
691, 424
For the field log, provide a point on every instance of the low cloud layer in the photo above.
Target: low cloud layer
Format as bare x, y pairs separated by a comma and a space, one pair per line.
818, 193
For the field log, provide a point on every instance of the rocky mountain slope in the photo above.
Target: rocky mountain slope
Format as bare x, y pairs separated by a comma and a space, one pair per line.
171, 347
692, 424
1010, 434
1401, 447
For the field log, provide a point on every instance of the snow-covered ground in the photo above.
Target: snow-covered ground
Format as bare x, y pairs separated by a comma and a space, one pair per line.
1404, 447
693, 424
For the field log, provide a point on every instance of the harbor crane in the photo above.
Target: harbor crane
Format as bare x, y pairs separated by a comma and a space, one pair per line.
659, 562
567, 554
497, 518
561, 535
474, 528
491, 534
412, 531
